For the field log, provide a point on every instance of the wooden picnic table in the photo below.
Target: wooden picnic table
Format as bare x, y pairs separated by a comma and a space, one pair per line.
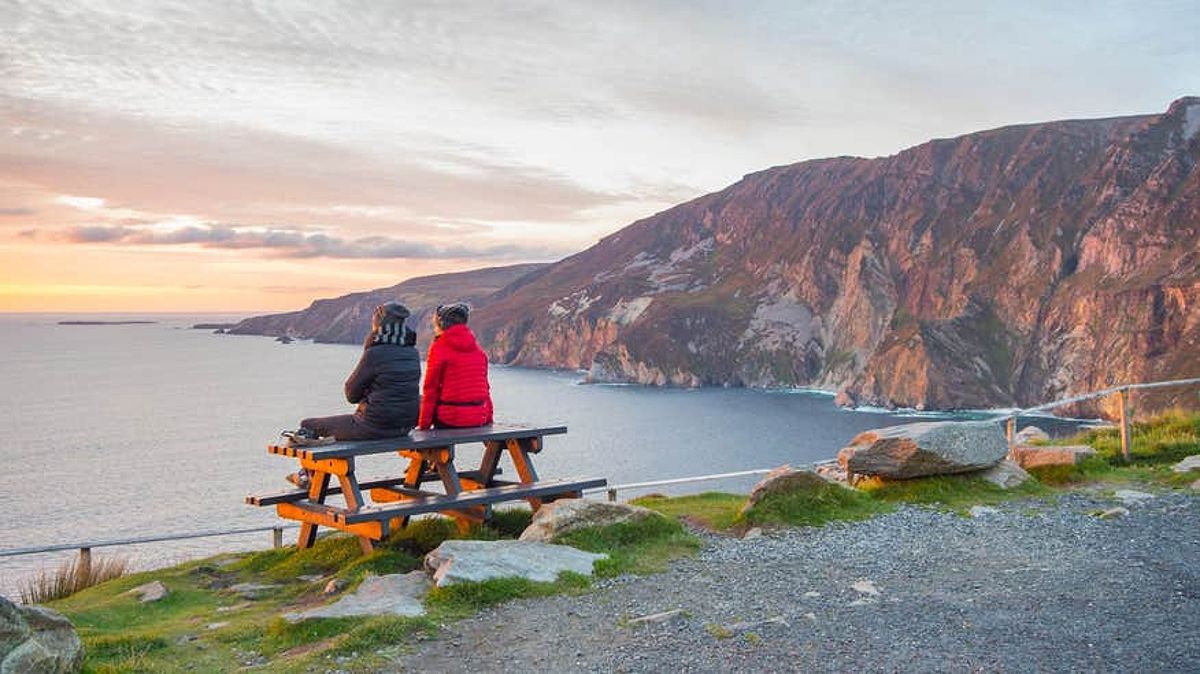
430, 457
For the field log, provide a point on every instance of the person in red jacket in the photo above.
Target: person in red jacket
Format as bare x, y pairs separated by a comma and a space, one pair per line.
456, 393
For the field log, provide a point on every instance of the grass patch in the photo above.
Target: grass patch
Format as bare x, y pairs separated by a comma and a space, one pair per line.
715, 510
462, 599
815, 506
955, 492
1164, 438
642, 546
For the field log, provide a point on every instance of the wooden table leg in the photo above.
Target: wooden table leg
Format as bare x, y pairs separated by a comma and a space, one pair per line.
412, 479
490, 461
518, 451
318, 486
354, 501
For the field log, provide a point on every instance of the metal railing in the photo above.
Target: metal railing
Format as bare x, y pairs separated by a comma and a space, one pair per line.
612, 490
85, 548
1124, 418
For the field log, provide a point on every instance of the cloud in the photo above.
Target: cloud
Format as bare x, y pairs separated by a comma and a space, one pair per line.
299, 244
15, 212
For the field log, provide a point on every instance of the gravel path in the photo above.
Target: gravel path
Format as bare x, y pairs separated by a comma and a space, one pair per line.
1030, 587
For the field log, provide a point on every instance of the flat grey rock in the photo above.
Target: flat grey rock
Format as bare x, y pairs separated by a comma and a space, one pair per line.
1188, 464
657, 618
252, 591
1132, 496
458, 561
983, 511
399, 594
152, 591
931, 448
1006, 475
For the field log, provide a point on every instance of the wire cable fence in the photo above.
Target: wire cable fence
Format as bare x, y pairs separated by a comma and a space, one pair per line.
1120, 393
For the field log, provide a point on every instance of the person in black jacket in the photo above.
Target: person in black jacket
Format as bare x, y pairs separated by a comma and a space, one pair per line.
385, 385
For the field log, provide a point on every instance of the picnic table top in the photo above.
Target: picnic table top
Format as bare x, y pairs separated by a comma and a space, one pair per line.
438, 437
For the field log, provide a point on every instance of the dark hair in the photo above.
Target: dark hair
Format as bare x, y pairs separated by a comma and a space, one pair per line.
452, 314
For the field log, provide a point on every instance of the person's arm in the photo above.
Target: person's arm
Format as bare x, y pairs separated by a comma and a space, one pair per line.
432, 390
359, 380
487, 382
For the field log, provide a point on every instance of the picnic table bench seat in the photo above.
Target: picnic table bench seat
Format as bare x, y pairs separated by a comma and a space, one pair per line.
468, 495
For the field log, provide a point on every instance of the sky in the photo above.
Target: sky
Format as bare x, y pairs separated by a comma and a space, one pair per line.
253, 155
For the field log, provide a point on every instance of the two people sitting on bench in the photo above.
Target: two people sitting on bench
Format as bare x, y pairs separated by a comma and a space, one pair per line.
385, 383
456, 393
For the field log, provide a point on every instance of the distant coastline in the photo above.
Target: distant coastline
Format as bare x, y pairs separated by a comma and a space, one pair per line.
105, 322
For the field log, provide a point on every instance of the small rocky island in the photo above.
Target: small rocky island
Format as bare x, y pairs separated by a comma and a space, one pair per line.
106, 322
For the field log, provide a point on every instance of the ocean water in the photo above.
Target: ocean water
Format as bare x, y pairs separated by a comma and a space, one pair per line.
115, 431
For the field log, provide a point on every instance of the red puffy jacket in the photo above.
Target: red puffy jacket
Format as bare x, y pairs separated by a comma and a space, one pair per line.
456, 392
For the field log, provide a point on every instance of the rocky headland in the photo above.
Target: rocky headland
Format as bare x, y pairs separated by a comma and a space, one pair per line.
1002, 268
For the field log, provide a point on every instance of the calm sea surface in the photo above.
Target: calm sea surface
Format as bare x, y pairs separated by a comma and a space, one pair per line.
114, 431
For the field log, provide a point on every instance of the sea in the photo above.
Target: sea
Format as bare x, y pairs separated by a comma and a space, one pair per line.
119, 431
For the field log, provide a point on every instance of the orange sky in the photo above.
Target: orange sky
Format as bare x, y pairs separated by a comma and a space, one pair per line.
250, 157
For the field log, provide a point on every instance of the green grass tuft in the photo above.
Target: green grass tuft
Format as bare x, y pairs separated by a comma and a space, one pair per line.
642, 546
814, 507
461, 599
715, 510
1165, 438
379, 562
955, 492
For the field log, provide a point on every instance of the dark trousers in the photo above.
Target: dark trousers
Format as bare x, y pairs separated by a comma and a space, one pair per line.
349, 427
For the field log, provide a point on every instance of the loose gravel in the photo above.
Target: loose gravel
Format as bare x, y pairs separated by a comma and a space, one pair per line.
1030, 586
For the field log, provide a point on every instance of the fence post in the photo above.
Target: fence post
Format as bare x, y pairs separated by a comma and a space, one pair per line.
1123, 397
277, 537
612, 495
1010, 430
85, 563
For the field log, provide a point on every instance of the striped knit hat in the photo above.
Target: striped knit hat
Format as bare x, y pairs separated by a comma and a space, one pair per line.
387, 325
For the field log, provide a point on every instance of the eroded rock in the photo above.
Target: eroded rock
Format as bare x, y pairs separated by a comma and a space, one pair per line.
1006, 475
1028, 456
399, 594
458, 561
922, 449
571, 514
37, 639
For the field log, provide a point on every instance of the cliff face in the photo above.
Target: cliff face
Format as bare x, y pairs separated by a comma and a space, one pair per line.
347, 319
1007, 267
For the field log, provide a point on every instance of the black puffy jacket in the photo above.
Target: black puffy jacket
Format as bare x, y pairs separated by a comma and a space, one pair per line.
386, 386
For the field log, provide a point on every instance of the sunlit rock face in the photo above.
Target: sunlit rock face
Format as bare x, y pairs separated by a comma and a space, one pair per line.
1006, 267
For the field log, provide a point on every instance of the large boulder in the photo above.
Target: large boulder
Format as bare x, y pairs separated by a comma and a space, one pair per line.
570, 514
782, 480
457, 561
1027, 456
918, 450
37, 639
398, 594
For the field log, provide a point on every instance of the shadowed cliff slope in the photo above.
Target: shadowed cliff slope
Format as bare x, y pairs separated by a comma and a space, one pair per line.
1006, 267
347, 319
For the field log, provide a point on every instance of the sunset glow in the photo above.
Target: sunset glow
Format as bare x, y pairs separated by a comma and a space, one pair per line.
252, 156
